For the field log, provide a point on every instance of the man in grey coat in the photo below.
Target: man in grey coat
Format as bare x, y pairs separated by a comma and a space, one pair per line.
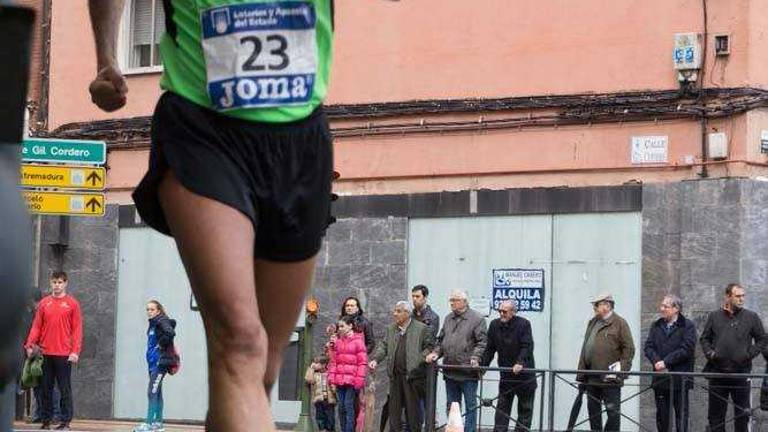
405, 347
461, 342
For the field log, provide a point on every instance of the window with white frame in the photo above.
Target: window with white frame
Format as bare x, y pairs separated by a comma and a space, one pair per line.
143, 25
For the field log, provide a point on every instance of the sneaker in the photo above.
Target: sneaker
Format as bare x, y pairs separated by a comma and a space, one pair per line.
46, 425
63, 426
157, 427
143, 427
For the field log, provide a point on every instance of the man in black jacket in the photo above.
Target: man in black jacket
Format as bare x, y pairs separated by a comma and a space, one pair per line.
732, 337
670, 347
511, 336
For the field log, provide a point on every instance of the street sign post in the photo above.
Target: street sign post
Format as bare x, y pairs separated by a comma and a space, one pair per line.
64, 151
66, 204
53, 176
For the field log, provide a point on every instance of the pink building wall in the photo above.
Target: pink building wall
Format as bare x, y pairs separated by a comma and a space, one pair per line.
433, 49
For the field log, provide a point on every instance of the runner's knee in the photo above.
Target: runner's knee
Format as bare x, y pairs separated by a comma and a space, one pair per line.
239, 338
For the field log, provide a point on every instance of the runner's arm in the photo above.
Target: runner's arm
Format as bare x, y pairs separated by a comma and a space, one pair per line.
108, 89
105, 21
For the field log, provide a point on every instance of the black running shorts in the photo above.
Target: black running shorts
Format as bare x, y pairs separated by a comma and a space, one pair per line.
279, 175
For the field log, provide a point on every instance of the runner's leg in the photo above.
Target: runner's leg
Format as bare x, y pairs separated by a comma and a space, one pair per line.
216, 245
285, 285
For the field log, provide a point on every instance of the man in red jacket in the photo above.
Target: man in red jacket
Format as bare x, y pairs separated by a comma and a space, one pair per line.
58, 331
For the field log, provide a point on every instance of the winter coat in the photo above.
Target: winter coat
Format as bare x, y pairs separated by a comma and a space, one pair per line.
513, 340
160, 334
32, 373
730, 341
321, 389
349, 361
677, 349
362, 325
418, 344
463, 337
430, 318
613, 343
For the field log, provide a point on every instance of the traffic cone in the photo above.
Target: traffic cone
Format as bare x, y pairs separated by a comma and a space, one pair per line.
455, 420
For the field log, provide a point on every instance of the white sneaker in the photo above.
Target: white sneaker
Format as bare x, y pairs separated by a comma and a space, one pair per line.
143, 427
157, 427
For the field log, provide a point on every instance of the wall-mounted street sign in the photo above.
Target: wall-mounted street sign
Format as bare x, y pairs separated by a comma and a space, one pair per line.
68, 204
525, 287
64, 151
56, 176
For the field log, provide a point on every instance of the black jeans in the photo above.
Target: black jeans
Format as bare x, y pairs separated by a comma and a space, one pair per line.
325, 416
719, 390
610, 395
525, 395
56, 370
679, 404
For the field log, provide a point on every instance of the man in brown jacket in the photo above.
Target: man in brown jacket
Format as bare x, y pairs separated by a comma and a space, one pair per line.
608, 346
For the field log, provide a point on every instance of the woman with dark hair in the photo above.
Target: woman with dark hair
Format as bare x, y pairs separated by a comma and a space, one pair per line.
351, 307
160, 358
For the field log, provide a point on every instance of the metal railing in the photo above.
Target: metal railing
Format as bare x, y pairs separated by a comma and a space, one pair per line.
648, 389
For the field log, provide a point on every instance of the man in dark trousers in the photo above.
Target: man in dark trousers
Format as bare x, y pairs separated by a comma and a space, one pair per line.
405, 348
511, 337
608, 346
58, 331
732, 337
671, 347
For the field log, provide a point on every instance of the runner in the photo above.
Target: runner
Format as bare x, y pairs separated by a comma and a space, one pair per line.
239, 174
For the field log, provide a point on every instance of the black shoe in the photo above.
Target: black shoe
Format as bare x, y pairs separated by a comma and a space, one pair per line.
45, 425
63, 426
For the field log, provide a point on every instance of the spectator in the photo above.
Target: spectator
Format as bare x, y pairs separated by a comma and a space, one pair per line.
608, 346
512, 338
405, 348
58, 330
323, 394
671, 346
461, 342
160, 358
422, 312
348, 369
732, 337
351, 307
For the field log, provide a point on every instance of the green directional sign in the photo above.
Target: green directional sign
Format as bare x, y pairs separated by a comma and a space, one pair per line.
64, 151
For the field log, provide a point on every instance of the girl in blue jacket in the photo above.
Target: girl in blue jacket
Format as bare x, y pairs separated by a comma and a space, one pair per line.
160, 357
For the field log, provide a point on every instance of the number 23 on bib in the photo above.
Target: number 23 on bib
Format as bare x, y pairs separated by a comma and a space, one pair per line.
260, 54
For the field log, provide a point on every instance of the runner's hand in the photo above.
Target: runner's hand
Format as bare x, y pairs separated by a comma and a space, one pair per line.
29, 351
73, 358
373, 364
431, 357
108, 89
517, 368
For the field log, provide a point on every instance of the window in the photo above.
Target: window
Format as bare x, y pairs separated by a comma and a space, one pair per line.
143, 25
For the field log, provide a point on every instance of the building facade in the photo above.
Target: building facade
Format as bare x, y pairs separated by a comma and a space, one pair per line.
470, 139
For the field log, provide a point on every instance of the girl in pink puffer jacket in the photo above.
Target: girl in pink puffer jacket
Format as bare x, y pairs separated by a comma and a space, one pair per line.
347, 370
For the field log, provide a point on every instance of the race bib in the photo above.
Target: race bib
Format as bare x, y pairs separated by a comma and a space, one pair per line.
260, 54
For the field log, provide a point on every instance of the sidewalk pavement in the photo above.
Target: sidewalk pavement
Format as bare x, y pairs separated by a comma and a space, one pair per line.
113, 426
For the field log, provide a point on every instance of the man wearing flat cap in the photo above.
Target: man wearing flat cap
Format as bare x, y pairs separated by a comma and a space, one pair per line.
608, 346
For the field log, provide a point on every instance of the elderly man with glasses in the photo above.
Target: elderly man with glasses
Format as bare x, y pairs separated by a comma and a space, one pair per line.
671, 347
461, 342
511, 337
